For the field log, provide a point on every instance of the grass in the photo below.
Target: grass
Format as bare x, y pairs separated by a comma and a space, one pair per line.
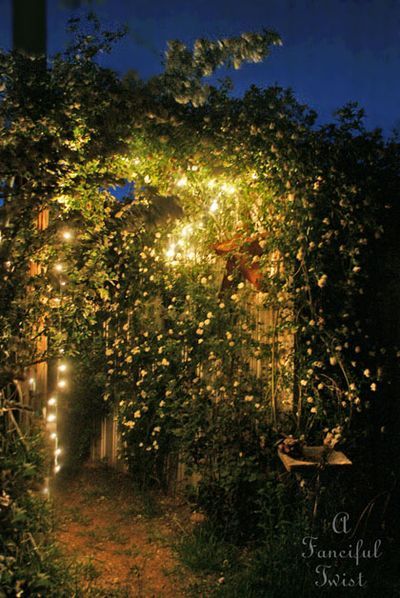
203, 552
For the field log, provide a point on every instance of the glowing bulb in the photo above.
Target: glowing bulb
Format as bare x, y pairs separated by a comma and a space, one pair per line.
51, 418
230, 189
58, 452
62, 384
52, 401
211, 184
67, 235
214, 206
31, 381
57, 468
62, 367
182, 182
63, 283
58, 267
186, 230
191, 255
45, 490
170, 251
53, 436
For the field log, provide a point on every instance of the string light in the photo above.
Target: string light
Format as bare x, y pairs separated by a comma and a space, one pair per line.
57, 452
62, 367
182, 182
57, 468
228, 188
31, 381
61, 384
58, 267
67, 235
53, 436
171, 251
51, 418
52, 402
214, 206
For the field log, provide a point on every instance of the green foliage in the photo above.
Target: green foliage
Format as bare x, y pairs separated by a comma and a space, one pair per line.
177, 354
30, 563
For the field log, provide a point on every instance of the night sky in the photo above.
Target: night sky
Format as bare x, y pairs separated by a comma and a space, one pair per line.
334, 51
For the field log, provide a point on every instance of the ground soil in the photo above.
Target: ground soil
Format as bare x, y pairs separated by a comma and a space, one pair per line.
123, 540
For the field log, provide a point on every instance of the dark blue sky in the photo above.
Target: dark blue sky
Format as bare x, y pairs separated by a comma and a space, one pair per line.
334, 50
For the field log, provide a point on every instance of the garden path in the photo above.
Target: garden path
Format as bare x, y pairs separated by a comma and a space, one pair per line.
123, 540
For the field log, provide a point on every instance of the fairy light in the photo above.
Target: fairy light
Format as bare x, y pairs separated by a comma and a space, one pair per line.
31, 381
58, 452
67, 235
52, 402
186, 231
57, 468
51, 418
61, 384
62, 367
211, 184
171, 251
214, 206
182, 182
63, 283
58, 267
228, 188
53, 436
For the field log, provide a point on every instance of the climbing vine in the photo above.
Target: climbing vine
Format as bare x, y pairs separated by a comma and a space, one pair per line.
236, 207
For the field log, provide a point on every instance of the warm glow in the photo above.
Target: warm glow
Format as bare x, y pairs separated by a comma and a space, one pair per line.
53, 436
62, 367
58, 452
52, 401
62, 384
227, 188
182, 182
214, 206
51, 418
57, 468
67, 235
58, 267
31, 380
186, 230
171, 251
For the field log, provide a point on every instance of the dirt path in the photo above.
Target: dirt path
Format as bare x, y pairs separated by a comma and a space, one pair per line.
122, 540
